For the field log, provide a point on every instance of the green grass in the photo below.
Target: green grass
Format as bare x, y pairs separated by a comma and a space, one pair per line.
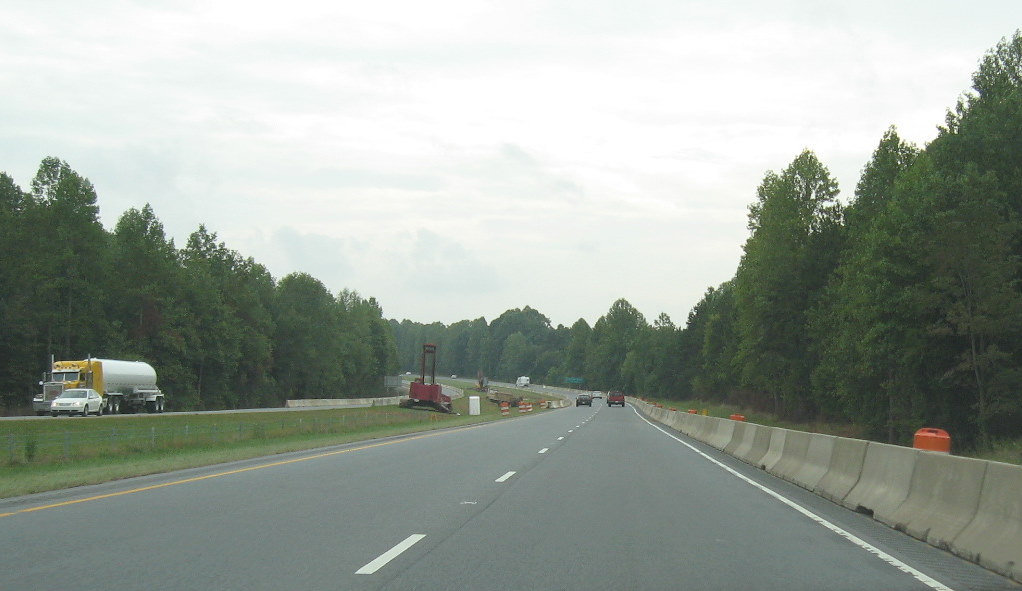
1007, 451
41, 455
760, 418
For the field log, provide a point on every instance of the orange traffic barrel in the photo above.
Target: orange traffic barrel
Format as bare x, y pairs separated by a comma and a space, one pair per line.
932, 440
737, 417
691, 411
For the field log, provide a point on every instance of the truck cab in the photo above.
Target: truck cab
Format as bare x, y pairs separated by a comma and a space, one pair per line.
123, 385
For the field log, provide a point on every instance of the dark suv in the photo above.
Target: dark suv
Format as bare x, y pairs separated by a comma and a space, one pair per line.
583, 399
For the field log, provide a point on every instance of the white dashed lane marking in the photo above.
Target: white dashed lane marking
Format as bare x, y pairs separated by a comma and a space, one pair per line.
389, 555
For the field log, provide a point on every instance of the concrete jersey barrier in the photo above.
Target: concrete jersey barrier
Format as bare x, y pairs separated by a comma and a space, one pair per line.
816, 464
885, 481
774, 449
758, 446
844, 471
342, 402
793, 455
994, 538
943, 498
721, 433
690, 424
737, 438
970, 507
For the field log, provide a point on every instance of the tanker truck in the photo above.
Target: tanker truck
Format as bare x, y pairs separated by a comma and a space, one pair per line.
126, 386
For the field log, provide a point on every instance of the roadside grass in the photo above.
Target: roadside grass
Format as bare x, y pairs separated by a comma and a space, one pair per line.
41, 455
1007, 451
760, 418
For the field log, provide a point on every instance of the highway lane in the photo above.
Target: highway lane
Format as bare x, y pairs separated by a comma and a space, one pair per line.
578, 498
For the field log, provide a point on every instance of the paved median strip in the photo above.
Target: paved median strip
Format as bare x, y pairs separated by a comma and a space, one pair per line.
389, 555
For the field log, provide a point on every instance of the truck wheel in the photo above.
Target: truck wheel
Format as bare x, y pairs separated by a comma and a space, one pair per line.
159, 405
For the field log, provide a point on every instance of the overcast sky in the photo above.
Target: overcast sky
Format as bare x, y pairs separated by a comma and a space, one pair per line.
456, 159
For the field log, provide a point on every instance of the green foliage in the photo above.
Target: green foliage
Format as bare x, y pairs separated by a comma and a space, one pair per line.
899, 311
221, 332
796, 237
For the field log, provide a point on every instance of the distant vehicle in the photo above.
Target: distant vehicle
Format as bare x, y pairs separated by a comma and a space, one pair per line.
597, 394
123, 386
616, 398
583, 398
454, 376
523, 382
77, 401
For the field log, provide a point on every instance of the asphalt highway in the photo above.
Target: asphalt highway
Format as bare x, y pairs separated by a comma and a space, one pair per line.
577, 498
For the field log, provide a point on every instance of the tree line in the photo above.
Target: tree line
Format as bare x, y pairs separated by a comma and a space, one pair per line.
219, 329
901, 309
621, 351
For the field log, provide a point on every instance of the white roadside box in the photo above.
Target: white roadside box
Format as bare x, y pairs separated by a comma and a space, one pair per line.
473, 405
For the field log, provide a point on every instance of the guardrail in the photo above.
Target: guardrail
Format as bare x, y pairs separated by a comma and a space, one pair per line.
343, 402
363, 402
970, 507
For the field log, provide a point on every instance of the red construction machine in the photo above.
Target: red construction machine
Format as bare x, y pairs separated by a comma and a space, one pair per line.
430, 395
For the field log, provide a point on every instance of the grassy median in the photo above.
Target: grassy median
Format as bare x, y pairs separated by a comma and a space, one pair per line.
50, 454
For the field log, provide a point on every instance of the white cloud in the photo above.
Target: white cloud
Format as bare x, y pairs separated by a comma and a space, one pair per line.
458, 158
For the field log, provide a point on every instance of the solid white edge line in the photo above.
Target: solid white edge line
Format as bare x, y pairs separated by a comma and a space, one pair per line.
918, 575
544, 450
505, 477
389, 555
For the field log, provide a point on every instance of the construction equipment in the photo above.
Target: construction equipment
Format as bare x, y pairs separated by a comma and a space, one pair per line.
500, 397
430, 395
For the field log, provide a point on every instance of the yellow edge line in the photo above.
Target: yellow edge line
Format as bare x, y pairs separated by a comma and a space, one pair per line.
240, 470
